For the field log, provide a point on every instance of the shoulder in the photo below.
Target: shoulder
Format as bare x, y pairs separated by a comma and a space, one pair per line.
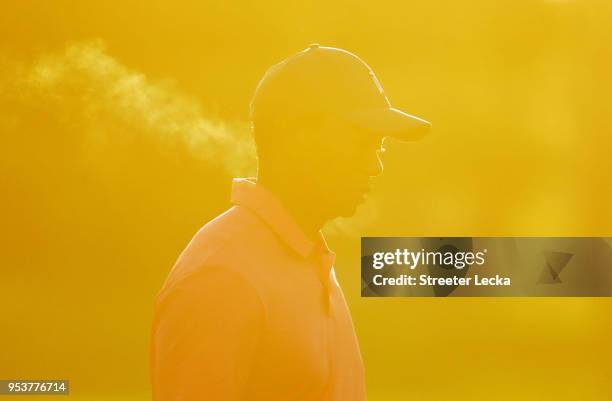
210, 286
216, 253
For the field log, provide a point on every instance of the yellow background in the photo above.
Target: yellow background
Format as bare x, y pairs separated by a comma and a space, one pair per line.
122, 123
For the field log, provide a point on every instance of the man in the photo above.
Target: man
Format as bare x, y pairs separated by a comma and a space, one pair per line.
252, 309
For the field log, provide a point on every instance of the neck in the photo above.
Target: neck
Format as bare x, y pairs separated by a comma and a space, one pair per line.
298, 201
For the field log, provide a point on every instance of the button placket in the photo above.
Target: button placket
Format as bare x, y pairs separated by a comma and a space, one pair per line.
327, 262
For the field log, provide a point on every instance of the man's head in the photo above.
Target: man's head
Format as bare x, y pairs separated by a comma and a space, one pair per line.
319, 118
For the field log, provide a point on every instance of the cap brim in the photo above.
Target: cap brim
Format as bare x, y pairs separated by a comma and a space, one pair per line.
391, 122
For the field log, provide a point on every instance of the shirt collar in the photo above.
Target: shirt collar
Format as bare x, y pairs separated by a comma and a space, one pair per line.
245, 192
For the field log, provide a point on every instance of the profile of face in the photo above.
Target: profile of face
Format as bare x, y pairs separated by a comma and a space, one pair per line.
336, 160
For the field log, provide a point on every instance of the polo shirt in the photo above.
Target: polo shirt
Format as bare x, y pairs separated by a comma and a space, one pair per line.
252, 310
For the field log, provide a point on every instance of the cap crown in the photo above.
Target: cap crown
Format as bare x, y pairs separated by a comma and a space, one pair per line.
318, 80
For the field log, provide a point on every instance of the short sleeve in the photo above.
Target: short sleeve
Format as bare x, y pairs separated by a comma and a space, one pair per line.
205, 334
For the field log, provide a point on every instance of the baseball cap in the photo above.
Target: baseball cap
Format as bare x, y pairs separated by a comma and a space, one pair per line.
323, 80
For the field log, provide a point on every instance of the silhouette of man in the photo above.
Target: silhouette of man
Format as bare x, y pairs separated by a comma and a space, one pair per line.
252, 309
